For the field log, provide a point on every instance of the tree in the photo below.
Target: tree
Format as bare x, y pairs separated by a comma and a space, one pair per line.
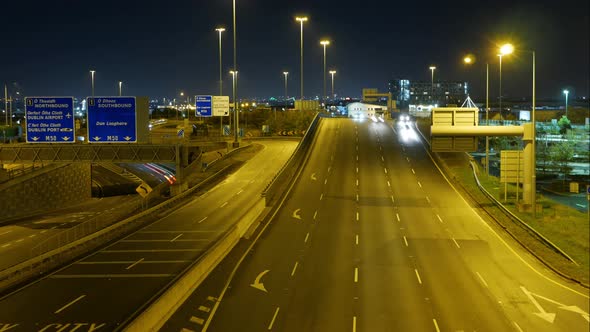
564, 124
561, 154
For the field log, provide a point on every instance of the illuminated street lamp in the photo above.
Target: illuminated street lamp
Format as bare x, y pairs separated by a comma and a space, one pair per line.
432, 68
234, 79
566, 93
92, 80
505, 49
235, 88
301, 20
332, 72
469, 59
324, 43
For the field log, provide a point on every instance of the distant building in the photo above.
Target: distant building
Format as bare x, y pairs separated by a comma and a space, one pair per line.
442, 93
364, 110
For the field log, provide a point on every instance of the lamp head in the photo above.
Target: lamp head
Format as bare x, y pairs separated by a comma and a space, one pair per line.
566, 92
325, 42
301, 19
506, 49
432, 67
220, 29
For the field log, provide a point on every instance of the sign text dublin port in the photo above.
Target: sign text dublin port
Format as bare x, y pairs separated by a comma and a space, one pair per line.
49, 119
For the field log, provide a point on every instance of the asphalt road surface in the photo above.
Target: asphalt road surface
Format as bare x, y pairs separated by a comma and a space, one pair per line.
100, 291
374, 238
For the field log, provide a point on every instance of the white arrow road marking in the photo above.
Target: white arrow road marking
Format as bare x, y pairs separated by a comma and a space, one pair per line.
548, 316
572, 308
259, 285
296, 214
313, 177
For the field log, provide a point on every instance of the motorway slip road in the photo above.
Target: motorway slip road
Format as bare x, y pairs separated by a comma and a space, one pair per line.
98, 292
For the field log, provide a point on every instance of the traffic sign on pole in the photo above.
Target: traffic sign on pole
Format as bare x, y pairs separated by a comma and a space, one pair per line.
112, 120
203, 106
49, 119
220, 105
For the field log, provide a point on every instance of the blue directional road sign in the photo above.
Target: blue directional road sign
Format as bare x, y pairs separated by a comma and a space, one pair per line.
111, 120
49, 119
203, 105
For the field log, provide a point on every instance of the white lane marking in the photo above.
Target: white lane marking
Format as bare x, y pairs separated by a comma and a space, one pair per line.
32, 235
321, 196
392, 200
408, 159
357, 169
196, 320
418, 276
382, 158
239, 192
332, 157
43, 231
306, 237
184, 329
435, 325
482, 280
273, 318
405, 241
385, 170
413, 172
357, 147
357, 182
11, 230
6, 245
329, 168
224, 204
200, 221
132, 265
325, 181
357, 239
357, 216
517, 327
457, 244
176, 238
439, 218
69, 304
353, 323
419, 184
428, 199
204, 309
388, 184
315, 214
294, 268
357, 157
397, 216
19, 240
356, 274
357, 197
54, 227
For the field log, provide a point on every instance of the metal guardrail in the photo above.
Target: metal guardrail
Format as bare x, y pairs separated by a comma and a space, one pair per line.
86, 228
516, 218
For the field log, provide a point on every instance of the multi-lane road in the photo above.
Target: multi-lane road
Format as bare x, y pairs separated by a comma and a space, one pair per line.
373, 238
103, 289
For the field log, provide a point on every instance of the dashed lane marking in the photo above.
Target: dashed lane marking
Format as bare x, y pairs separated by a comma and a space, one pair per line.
405, 241
419, 184
294, 269
439, 218
306, 237
457, 244
435, 325
69, 304
204, 309
482, 279
397, 216
356, 274
273, 319
197, 320
418, 276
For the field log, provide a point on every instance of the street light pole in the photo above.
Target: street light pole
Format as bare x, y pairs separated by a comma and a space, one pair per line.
220, 30
301, 20
236, 118
286, 73
487, 118
332, 72
324, 43
432, 68
92, 79
566, 92
120, 88
533, 159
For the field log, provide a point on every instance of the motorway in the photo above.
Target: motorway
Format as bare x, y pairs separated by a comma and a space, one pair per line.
373, 238
101, 290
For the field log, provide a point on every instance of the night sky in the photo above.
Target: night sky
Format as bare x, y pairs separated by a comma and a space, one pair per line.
158, 48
